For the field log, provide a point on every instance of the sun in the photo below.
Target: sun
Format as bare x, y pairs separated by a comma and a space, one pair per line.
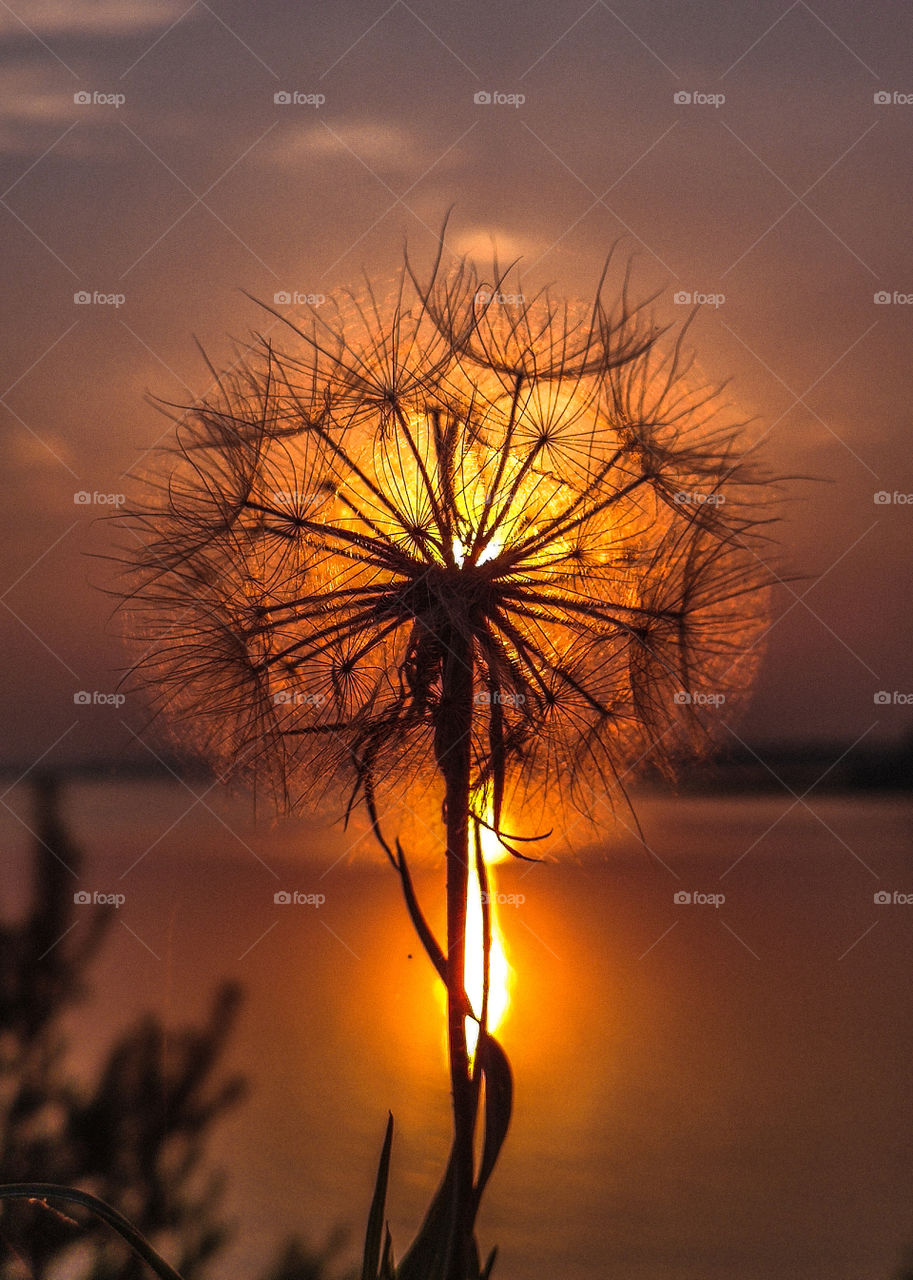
500, 973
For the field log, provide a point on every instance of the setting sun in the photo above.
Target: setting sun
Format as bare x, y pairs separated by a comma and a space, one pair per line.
488, 552
499, 970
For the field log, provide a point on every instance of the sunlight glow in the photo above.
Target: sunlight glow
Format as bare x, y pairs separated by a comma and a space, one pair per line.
488, 552
493, 852
499, 969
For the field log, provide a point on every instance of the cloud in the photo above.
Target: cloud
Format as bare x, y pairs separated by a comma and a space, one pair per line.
477, 243
29, 452
27, 101
30, 107
375, 143
91, 17
34, 113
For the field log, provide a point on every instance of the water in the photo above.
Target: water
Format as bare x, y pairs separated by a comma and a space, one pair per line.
703, 1090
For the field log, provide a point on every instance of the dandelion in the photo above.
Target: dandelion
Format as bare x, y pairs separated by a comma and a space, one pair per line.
450, 550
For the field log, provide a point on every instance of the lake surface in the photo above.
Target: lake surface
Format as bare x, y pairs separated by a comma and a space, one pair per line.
704, 1089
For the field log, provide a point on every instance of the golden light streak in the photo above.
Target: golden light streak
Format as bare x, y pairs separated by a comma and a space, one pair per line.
493, 852
499, 969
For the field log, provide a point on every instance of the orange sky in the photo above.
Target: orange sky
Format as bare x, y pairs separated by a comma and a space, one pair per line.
789, 200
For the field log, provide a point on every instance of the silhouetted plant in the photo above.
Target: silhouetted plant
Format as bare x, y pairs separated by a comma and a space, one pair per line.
137, 1136
475, 551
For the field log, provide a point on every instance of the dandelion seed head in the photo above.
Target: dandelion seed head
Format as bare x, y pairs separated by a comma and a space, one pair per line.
551, 485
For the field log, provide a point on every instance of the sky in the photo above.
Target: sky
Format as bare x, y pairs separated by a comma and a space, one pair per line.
160, 162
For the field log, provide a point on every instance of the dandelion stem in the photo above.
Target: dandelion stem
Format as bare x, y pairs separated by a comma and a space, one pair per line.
453, 730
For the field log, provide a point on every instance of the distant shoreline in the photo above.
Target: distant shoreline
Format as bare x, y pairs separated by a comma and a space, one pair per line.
745, 770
